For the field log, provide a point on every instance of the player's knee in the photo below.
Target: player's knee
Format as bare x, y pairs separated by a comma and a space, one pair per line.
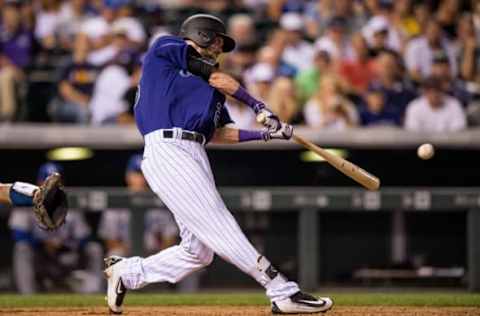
203, 256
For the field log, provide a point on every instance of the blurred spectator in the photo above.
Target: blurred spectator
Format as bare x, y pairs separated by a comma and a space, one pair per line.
447, 16
108, 99
75, 89
72, 15
269, 55
242, 28
126, 23
404, 19
476, 17
276, 8
420, 51
329, 108
319, 13
307, 81
454, 87
422, 12
27, 13
96, 33
282, 100
57, 23
64, 259
111, 32
336, 41
259, 79
468, 49
372, 7
242, 58
375, 111
114, 230
17, 45
381, 34
397, 92
296, 52
359, 71
434, 111
47, 24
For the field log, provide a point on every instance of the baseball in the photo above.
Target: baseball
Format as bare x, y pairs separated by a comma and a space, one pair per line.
261, 118
425, 151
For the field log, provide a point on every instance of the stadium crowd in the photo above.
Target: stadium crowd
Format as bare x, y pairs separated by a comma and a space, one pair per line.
327, 64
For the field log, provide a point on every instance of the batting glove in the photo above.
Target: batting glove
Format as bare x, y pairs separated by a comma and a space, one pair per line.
285, 132
269, 120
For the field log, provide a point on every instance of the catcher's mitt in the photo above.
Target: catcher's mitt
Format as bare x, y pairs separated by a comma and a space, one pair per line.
50, 203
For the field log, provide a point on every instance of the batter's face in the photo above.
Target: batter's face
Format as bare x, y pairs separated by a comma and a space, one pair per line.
211, 52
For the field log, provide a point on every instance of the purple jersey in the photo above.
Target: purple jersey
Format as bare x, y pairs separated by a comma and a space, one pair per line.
17, 47
170, 96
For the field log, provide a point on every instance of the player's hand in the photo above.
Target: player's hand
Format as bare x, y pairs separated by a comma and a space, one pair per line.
285, 132
226, 84
269, 120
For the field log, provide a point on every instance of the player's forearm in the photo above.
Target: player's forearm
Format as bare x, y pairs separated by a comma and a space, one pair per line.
242, 95
228, 135
228, 85
5, 193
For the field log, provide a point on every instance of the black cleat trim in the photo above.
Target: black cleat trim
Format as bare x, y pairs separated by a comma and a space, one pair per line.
121, 290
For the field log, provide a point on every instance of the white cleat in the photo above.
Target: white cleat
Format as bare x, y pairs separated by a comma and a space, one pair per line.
302, 303
115, 289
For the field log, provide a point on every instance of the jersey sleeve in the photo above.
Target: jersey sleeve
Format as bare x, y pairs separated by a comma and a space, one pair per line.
172, 49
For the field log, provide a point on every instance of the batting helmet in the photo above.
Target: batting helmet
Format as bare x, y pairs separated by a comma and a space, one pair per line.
47, 169
203, 28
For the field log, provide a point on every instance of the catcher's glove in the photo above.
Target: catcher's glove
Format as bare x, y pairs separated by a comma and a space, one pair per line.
50, 203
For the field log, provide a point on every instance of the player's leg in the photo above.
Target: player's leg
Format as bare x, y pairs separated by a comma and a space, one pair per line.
169, 265
221, 233
17, 194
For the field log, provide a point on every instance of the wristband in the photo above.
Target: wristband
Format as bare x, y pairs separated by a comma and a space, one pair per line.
242, 95
245, 136
21, 194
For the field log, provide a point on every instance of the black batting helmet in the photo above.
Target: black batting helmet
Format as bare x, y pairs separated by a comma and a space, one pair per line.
203, 28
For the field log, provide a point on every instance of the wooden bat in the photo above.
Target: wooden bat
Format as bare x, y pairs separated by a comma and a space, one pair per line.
351, 170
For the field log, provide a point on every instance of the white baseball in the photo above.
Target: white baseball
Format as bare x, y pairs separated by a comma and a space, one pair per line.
261, 117
426, 151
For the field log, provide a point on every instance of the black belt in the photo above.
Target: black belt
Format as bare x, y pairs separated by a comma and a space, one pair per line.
186, 135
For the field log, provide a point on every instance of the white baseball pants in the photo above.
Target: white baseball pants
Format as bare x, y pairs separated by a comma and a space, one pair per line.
178, 171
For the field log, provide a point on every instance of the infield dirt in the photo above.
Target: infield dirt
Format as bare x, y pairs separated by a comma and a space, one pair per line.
242, 311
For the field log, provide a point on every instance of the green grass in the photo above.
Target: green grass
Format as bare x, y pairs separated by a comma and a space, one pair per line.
341, 299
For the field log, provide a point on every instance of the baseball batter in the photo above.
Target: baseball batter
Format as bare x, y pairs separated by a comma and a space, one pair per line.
180, 108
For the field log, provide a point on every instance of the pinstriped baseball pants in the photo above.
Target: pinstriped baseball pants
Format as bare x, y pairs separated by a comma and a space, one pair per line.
178, 171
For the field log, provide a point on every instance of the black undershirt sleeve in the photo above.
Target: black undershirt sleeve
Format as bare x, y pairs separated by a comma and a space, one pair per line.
199, 65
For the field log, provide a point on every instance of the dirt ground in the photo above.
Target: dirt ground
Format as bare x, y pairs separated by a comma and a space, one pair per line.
243, 311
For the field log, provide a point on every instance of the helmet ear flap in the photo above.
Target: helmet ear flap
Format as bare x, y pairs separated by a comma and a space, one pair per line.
204, 38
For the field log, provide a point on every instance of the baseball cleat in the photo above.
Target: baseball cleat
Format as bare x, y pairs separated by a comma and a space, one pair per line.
302, 303
115, 289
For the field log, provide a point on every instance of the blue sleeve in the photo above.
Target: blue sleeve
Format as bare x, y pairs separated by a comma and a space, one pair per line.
173, 49
19, 235
224, 117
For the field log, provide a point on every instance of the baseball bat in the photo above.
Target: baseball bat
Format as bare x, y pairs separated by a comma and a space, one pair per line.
349, 169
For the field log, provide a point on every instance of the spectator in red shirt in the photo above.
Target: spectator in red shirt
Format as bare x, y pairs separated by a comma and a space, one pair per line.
358, 72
